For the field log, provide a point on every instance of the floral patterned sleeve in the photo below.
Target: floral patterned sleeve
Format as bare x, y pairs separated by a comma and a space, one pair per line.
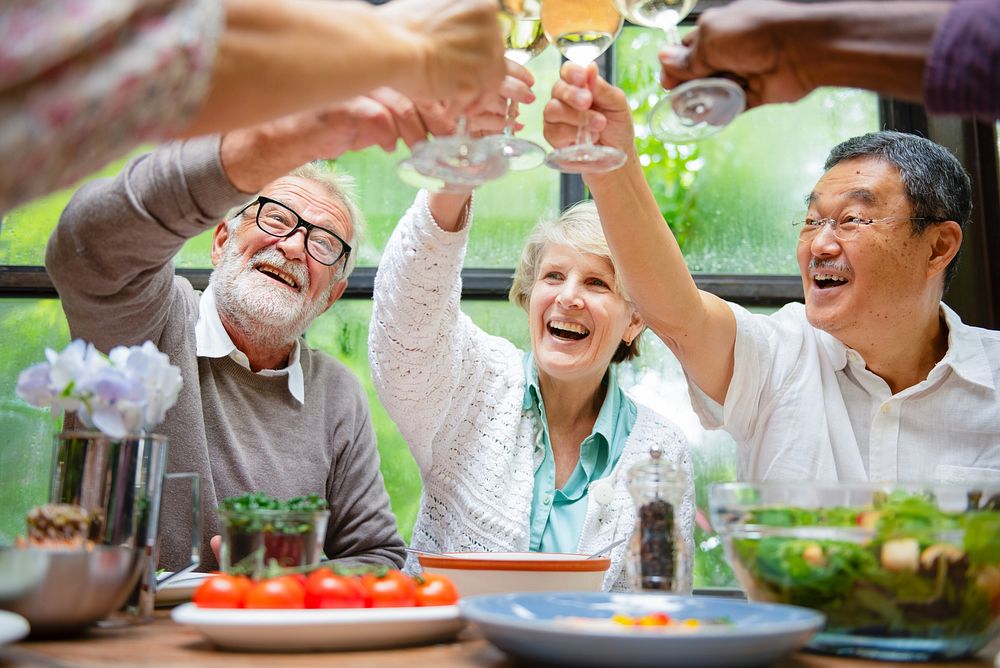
84, 81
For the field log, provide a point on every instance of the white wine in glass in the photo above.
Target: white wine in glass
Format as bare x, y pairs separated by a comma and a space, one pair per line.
523, 37
582, 30
696, 109
663, 14
521, 23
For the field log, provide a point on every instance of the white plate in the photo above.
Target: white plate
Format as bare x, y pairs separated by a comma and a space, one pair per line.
180, 589
540, 627
303, 630
13, 627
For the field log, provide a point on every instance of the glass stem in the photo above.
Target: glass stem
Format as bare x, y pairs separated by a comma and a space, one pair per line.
508, 124
463, 147
672, 35
583, 137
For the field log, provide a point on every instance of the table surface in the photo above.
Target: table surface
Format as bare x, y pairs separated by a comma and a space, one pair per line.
165, 643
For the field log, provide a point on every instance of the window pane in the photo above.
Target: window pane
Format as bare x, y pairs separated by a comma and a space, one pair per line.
28, 326
25, 230
730, 198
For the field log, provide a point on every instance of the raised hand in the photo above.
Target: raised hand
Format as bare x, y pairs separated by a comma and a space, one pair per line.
458, 44
488, 114
742, 41
580, 89
259, 154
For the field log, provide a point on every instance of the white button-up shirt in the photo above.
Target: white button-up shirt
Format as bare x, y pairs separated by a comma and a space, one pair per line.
212, 340
802, 406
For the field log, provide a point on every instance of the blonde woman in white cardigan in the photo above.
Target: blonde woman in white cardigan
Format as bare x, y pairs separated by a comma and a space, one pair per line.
517, 451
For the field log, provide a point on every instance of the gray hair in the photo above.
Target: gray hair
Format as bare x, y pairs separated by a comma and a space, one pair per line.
342, 189
936, 185
579, 227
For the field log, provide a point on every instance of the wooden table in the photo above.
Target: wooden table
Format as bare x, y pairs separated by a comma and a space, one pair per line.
164, 644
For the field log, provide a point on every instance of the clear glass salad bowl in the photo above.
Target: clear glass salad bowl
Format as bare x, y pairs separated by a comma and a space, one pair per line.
902, 572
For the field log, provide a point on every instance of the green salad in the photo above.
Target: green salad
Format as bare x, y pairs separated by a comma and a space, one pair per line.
901, 567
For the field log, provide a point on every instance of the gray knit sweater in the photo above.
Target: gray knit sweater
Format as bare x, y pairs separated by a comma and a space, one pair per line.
110, 258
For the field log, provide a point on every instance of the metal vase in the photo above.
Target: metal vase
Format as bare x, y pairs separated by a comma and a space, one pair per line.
120, 482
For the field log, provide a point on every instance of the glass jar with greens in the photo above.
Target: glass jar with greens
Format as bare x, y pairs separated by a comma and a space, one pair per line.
262, 535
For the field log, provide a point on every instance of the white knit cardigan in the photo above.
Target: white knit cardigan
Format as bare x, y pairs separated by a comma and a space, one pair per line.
456, 393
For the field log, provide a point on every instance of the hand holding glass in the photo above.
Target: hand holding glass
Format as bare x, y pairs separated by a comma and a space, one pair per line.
696, 109
582, 30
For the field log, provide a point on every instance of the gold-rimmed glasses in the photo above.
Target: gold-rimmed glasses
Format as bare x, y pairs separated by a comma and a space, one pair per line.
846, 228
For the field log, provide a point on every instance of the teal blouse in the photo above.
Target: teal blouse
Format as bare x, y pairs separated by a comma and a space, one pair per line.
557, 515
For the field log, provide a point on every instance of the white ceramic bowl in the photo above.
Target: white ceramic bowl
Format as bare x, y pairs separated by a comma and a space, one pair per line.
503, 572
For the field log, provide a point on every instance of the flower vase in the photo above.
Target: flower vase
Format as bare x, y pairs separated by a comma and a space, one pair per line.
119, 482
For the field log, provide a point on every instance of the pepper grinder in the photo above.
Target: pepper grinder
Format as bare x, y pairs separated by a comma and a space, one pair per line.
658, 559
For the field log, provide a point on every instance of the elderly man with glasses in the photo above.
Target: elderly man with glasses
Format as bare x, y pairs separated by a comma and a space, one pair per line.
874, 377
259, 409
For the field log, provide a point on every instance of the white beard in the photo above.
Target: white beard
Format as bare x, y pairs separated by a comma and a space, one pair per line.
269, 315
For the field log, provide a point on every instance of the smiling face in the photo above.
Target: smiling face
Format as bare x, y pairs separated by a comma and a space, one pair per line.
866, 286
576, 318
266, 282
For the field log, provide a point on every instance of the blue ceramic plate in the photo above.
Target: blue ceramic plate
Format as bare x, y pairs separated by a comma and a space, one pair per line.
575, 629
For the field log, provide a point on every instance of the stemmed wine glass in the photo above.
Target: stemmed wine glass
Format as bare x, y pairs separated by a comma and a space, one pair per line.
582, 30
696, 109
454, 164
524, 39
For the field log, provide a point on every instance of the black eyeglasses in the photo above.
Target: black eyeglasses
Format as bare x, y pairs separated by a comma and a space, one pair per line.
323, 245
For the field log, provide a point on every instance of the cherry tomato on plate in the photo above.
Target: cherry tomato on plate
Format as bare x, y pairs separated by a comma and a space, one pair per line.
222, 591
436, 589
284, 591
324, 589
394, 590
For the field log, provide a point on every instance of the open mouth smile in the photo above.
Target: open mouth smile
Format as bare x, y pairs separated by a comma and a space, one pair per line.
278, 275
569, 331
825, 281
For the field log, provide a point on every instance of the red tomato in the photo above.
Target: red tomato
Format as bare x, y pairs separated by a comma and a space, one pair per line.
222, 591
324, 589
435, 589
280, 592
395, 590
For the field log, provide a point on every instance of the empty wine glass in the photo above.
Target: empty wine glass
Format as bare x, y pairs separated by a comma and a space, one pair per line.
523, 40
582, 30
452, 164
698, 108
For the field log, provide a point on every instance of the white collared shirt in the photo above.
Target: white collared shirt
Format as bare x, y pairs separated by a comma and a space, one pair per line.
802, 406
212, 340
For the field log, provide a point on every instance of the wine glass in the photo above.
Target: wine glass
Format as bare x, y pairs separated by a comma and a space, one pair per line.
458, 160
582, 30
523, 40
698, 108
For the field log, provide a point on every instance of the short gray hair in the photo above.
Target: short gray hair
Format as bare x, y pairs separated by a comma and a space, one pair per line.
936, 185
342, 189
579, 227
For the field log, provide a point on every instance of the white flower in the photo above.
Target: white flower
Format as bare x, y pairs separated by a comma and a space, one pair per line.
127, 392
160, 380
